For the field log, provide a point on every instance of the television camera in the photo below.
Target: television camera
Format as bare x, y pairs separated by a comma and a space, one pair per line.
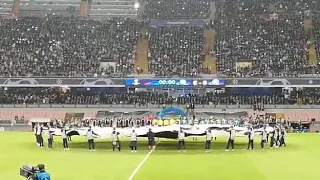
29, 171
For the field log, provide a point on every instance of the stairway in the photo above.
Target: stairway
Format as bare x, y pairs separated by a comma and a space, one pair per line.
308, 27
84, 11
209, 61
312, 56
142, 52
16, 8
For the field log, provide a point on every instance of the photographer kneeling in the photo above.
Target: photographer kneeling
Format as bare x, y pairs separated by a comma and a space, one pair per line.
42, 174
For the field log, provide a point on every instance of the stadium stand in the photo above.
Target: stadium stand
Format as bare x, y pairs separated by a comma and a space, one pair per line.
63, 46
252, 40
111, 8
176, 9
43, 7
176, 50
5, 8
120, 96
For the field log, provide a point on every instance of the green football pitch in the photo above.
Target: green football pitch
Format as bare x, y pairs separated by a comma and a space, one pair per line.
299, 160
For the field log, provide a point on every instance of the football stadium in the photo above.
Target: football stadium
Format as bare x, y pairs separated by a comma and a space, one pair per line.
296, 161
159, 89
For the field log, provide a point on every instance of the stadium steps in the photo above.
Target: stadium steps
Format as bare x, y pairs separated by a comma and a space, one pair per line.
315, 128
142, 52
16, 8
312, 56
84, 8
308, 28
209, 35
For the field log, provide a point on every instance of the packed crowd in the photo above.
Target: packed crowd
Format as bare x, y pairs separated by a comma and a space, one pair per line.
64, 46
53, 96
176, 50
254, 39
177, 9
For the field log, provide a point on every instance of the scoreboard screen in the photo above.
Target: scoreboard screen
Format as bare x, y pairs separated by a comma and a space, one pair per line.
166, 83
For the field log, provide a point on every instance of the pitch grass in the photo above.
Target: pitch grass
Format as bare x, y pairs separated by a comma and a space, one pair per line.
300, 160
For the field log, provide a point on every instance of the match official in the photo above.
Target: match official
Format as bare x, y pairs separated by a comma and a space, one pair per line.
181, 137
251, 139
151, 142
232, 135
133, 141
208, 140
264, 137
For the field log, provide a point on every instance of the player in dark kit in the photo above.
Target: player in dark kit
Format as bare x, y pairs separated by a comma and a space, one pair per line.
282, 136
251, 139
151, 142
264, 137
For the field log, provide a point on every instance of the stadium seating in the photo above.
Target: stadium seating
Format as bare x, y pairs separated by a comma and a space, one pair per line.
5, 7
111, 8
62, 46
253, 41
43, 7
230, 96
176, 50
177, 9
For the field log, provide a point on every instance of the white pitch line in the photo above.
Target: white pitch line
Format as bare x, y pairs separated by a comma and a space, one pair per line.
142, 162
139, 166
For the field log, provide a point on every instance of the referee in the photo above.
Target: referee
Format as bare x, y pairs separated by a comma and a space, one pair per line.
208, 140
151, 142
232, 135
264, 137
181, 137
251, 139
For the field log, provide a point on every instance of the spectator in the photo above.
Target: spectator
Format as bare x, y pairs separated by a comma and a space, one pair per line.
63, 46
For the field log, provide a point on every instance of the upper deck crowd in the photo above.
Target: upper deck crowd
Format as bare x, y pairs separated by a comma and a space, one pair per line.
252, 38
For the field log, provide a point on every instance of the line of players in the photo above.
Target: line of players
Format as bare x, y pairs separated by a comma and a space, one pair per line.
277, 139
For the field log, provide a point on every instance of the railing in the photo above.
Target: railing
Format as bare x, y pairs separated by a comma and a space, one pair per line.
156, 106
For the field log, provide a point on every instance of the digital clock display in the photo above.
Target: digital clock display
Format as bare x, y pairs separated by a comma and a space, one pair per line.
174, 82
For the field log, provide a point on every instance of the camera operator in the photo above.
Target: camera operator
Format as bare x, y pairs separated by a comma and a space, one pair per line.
42, 174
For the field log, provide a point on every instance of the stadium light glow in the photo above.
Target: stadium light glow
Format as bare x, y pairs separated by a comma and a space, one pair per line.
136, 5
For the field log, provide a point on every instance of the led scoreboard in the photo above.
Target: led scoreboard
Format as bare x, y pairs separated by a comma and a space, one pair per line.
171, 83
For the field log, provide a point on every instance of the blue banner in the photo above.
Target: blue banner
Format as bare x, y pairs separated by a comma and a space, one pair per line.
192, 22
175, 83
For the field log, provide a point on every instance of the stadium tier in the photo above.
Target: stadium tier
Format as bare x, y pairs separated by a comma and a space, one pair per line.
164, 38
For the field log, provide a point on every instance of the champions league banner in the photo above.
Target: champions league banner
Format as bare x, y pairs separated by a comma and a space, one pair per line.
170, 131
159, 82
192, 22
